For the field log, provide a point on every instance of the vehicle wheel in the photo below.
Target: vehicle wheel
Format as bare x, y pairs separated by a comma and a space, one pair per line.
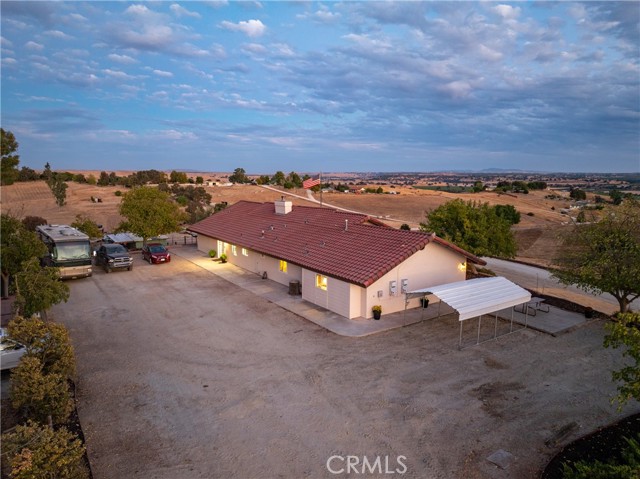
107, 269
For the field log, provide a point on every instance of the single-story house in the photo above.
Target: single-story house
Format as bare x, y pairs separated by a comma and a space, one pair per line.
344, 262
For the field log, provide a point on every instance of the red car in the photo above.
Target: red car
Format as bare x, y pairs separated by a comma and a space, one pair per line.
155, 253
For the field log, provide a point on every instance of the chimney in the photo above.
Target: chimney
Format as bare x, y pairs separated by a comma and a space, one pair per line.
283, 206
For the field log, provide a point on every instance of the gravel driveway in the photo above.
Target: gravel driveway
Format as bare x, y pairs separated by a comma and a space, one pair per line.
184, 375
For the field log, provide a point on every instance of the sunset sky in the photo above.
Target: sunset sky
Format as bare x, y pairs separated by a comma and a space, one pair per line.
332, 86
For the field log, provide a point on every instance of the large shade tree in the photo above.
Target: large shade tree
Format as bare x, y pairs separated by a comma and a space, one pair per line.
476, 227
604, 256
149, 212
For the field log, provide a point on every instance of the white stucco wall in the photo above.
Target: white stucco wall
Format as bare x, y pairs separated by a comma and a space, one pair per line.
431, 266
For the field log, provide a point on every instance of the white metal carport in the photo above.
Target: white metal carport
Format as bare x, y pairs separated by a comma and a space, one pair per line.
475, 297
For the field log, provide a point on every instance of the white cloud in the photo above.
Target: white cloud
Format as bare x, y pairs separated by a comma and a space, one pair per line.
117, 74
162, 73
5, 43
507, 11
180, 11
254, 48
57, 34
34, 46
251, 28
124, 59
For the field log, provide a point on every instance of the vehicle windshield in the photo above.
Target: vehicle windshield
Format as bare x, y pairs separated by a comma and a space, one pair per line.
71, 250
157, 249
115, 248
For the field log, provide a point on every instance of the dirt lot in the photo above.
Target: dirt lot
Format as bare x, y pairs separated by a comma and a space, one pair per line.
536, 235
182, 374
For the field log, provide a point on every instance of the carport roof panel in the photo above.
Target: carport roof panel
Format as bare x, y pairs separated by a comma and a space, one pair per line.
479, 296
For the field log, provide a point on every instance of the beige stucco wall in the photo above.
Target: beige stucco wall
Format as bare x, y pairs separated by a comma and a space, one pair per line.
254, 262
431, 266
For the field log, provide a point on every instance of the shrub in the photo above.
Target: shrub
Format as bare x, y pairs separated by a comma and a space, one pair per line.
40, 395
212, 253
530, 213
223, 258
405, 226
118, 193
48, 342
35, 452
627, 467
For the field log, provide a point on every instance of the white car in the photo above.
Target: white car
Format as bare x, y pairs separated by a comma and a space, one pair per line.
10, 353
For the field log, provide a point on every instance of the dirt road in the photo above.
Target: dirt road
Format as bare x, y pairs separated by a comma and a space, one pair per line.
182, 374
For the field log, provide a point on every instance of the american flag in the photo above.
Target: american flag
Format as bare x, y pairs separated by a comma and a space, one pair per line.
306, 184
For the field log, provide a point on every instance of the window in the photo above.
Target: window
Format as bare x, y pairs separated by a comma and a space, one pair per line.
283, 266
321, 282
234, 250
245, 252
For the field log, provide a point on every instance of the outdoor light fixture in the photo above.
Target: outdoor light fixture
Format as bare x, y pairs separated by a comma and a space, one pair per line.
462, 266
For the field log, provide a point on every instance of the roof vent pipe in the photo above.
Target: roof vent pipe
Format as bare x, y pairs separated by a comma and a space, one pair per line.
346, 225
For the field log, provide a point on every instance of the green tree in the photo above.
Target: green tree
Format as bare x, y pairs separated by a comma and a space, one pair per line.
616, 196
509, 213
47, 341
295, 179
38, 394
473, 226
59, 190
278, 178
91, 180
87, 226
199, 180
35, 451
47, 173
577, 194
9, 160
178, 177
28, 174
625, 332
149, 212
38, 288
239, 176
478, 186
103, 180
17, 245
604, 256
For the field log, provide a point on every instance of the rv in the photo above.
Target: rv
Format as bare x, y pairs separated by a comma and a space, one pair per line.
69, 250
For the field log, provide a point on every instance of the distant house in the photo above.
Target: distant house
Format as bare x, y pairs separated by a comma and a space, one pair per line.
344, 262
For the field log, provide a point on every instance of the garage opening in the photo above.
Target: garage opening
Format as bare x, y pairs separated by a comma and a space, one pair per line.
476, 298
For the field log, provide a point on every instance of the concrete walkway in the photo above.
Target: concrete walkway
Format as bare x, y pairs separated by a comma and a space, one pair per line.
279, 294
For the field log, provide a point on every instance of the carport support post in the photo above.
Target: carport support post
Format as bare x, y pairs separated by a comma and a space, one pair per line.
460, 342
495, 331
479, 323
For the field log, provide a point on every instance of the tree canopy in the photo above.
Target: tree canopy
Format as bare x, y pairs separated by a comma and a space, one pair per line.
604, 256
38, 288
17, 245
9, 161
624, 331
476, 227
149, 212
239, 176
87, 226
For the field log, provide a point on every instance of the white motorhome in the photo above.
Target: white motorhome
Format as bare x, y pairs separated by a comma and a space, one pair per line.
69, 249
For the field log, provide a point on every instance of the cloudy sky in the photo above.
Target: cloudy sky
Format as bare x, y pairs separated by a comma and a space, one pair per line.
332, 86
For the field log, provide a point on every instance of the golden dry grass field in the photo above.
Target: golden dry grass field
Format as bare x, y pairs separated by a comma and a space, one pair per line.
536, 234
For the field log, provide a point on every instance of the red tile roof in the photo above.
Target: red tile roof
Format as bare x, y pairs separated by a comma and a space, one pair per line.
352, 247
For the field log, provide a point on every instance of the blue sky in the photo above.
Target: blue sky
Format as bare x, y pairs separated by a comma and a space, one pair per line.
332, 86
